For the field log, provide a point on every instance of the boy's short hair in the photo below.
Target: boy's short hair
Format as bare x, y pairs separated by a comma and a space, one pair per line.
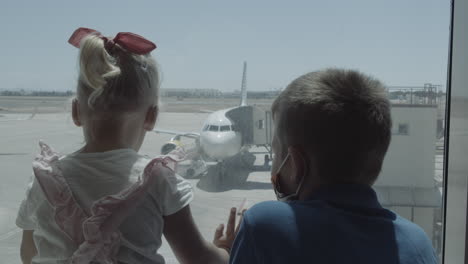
340, 117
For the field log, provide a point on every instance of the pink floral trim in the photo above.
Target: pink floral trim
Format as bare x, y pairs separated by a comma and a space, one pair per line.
49, 177
96, 235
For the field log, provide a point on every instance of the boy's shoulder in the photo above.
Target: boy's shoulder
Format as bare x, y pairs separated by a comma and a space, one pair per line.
410, 232
405, 226
267, 209
264, 212
261, 214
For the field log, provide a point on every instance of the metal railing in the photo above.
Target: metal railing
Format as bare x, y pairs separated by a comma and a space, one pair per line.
429, 94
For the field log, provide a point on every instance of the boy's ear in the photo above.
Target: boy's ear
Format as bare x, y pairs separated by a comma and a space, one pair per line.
298, 162
76, 113
150, 119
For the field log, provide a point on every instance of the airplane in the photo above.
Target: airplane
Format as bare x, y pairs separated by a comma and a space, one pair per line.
226, 135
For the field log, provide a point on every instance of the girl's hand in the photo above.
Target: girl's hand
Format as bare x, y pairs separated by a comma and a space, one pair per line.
225, 240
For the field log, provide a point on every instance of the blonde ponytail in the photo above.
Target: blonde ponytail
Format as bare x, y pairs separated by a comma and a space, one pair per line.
121, 82
95, 66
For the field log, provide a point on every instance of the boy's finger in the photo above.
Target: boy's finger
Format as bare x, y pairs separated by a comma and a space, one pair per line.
231, 222
219, 232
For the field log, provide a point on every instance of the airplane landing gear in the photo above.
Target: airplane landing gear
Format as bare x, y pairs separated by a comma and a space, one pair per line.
228, 174
266, 162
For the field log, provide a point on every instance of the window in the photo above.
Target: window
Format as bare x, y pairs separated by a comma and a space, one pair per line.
402, 43
402, 129
260, 124
225, 128
214, 128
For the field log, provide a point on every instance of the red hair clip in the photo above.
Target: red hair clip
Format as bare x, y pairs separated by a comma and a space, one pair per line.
129, 41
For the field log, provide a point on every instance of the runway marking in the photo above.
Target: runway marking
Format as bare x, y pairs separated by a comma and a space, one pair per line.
10, 234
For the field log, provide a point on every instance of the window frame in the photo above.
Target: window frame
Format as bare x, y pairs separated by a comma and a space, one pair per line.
455, 246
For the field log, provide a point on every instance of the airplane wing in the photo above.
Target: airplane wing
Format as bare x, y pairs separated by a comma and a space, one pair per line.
177, 133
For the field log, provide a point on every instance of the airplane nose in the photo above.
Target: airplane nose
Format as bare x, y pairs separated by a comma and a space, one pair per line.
220, 145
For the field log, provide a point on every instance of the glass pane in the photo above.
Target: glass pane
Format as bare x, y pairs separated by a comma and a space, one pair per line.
200, 46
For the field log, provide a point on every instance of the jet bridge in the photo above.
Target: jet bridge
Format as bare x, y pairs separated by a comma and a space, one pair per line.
253, 123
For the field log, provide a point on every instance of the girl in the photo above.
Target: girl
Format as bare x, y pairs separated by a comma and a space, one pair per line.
106, 203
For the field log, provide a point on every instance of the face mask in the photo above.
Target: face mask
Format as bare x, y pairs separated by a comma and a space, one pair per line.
277, 188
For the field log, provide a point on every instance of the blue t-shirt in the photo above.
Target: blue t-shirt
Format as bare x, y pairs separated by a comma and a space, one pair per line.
338, 224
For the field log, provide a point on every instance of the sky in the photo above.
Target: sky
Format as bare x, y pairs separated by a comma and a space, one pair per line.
202, 44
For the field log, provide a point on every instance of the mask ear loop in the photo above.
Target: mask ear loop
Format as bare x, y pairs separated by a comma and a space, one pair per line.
299, 187
276, 182
283, 163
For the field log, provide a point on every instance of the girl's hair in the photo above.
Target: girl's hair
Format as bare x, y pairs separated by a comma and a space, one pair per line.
115, 82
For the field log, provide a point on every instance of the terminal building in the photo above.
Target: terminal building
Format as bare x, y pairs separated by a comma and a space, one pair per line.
411, 179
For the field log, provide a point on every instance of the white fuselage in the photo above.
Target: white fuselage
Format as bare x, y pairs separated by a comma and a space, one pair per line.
219, 138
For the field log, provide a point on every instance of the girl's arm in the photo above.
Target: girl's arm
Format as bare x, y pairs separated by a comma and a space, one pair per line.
186, 241
28, 248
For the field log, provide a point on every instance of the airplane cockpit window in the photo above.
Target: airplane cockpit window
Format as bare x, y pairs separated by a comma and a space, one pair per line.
225, 128
225, 64
213, 128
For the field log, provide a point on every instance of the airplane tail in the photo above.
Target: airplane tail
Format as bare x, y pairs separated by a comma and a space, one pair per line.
243, 101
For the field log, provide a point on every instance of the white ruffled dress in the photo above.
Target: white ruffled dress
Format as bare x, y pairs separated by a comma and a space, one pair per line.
103, 207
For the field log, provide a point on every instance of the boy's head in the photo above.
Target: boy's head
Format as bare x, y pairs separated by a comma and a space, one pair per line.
335, 124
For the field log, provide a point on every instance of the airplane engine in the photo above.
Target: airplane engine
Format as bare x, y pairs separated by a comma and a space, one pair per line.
170, 146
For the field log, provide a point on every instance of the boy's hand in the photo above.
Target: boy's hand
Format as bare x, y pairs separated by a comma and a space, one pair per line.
225, 240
